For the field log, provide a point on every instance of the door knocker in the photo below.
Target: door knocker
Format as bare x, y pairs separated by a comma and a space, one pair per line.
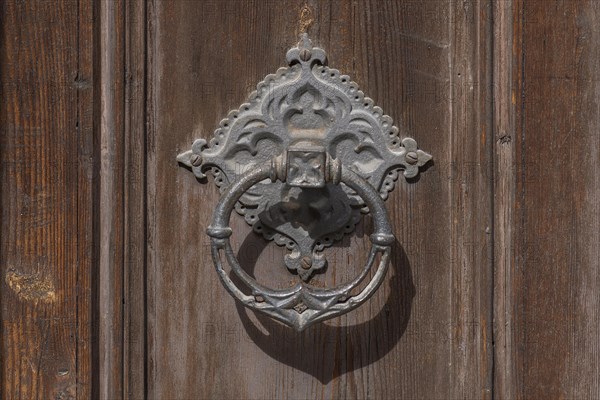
307, 137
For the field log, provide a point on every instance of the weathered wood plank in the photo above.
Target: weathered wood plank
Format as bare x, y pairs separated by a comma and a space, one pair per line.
135, 203
553, 275
46, 253
122, 191
506, 37
111, 193
427, 333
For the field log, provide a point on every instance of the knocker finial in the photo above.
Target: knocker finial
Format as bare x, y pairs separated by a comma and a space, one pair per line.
305, 53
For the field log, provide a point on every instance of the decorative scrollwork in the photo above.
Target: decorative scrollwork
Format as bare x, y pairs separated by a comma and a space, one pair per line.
306, 105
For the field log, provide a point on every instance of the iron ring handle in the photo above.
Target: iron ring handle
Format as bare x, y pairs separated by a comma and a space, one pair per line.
300, 306
300, 115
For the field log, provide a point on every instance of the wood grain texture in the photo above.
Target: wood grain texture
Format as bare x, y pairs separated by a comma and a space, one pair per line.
122, 157
427, 332
505, 93
135, 251
552, 274
111, 194
108, 289
46, 149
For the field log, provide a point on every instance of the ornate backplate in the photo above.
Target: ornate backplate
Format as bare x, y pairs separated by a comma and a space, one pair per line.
306, 111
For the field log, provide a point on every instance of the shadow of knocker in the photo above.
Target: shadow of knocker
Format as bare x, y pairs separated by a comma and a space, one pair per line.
322, 350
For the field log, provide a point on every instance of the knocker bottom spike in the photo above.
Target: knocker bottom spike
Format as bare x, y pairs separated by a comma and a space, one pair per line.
300, 306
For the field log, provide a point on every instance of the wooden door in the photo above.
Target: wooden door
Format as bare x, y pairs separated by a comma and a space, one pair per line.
108, 287
213, 348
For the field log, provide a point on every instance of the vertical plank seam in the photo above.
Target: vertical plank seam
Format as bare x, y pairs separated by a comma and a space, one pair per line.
124, 5
453, 250
126, 243
490, 112
77, 211
521, 226
104, 39
145, 45
151, 50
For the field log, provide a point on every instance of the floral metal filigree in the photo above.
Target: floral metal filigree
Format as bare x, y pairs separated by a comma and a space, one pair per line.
304, 106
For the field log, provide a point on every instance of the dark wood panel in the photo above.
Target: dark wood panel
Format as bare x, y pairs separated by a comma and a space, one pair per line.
427, 333
46, 152
553, 277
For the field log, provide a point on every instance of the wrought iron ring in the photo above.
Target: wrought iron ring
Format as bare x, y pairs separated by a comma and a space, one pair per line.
301, 305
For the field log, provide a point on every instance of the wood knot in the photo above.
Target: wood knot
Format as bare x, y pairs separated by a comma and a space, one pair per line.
504, 139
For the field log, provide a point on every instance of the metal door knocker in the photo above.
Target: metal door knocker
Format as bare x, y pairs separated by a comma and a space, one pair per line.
300, 161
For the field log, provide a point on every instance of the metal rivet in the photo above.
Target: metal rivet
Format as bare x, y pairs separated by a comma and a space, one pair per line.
412, 158
196, 160
306, 262
305, 54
